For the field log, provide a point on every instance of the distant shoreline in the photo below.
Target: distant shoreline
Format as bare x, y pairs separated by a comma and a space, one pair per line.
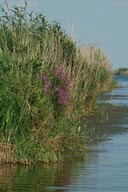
121, 71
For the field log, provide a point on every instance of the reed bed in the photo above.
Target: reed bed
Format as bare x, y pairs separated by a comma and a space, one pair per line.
47, 83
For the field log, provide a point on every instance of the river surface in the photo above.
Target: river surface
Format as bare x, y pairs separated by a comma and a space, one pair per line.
103, 169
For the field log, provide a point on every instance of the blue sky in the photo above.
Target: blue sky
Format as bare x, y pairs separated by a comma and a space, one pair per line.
97, 22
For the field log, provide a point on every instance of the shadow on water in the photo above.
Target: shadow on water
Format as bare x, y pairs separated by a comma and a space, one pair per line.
103, 169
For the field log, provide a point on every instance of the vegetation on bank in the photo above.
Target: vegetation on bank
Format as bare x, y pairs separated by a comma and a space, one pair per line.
121, 71
46, 84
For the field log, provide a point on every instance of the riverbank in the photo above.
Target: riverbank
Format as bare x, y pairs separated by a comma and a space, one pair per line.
47, 83
93, 171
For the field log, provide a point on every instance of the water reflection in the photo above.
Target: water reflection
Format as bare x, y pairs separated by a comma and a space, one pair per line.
104, 169
122, 80
36, 178
58, 178
118, 96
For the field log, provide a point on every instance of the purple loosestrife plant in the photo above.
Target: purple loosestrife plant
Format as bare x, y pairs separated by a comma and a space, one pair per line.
56, 87
47, 84
62, 96
59, 73
62, 83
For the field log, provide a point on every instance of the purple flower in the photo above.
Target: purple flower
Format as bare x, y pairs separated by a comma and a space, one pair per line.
47, 84
58, 87
62, 96
59, 73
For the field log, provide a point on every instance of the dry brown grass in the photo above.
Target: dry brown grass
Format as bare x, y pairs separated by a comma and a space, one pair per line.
6, 152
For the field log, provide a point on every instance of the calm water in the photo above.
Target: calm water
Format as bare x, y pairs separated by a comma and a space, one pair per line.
103, 169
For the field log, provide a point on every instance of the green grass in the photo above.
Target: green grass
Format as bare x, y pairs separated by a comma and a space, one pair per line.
46, 84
